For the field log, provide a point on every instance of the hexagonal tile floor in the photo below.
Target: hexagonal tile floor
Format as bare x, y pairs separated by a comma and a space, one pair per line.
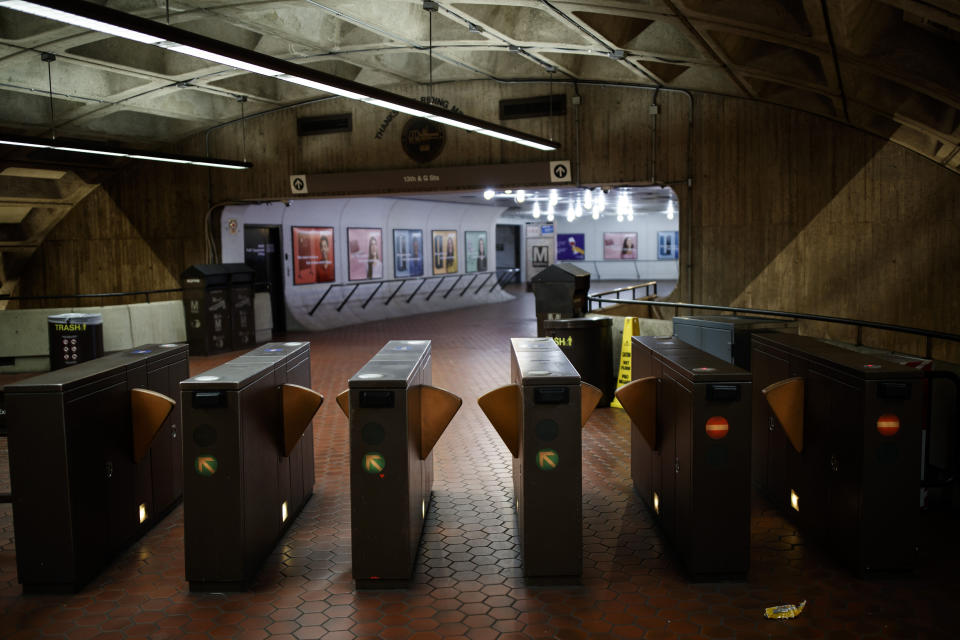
468, 581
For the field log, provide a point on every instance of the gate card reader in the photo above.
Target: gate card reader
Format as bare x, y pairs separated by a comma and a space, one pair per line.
95, 461
539, 416
248, 461
396, 418
690, 451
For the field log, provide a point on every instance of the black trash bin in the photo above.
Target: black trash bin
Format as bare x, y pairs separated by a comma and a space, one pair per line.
206, 306
560, 291
74, 338
588, 345
242, 329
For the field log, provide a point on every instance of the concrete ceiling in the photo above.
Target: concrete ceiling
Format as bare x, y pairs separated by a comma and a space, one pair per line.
891, 67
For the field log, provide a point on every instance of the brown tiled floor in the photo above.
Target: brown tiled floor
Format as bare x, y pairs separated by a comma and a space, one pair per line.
467, 581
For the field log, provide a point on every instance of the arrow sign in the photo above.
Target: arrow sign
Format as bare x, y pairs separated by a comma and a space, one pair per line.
374, 462
548, 459
205, 465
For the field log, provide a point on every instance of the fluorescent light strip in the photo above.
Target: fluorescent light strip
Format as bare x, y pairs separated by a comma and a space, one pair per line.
79, 21
219, 59
140, 155
205, 54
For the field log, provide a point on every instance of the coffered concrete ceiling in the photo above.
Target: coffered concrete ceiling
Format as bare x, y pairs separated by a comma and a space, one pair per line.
891, 67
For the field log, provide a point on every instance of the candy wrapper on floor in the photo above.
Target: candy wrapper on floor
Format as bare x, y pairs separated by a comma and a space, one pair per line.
784, 611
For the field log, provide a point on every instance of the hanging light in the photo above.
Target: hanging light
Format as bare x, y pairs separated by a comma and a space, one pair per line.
670, 209
619, 218
578, 210
536, 209
488, 194
571, 214
521, 196
88, 15
554, 198
588, 198
550, 214
601, 198
595, 215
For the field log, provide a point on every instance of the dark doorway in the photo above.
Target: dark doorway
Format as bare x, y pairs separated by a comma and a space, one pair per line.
263, 252
508, 250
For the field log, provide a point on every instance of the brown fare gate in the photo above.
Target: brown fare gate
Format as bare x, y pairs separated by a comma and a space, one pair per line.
248, 458
837, 447
690, 451
396, 418
540, 417
95, 461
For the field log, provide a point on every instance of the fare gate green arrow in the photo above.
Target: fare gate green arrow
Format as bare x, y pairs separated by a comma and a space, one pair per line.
205, 465
548, 459
374, 462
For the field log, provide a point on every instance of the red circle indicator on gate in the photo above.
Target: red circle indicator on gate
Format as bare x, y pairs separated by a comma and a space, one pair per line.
717, 427
888, 424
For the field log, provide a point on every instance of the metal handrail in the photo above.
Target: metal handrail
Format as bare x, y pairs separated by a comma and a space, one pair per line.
499, 275
632, 288
92, 295
860, 324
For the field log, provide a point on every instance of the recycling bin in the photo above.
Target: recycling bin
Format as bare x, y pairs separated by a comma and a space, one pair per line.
248, 461
396, 417
690, 452
206, 305
74, 338
242, 326
95, 455
588, 345
560, 291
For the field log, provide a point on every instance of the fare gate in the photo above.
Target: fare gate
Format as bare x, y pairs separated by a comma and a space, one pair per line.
540, 416
396, 418
837, 447
248, 458
95, 461
690, 451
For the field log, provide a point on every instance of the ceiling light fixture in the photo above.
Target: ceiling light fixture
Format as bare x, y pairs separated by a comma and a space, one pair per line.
116, 23
670, 210
521, 196
76, 146
536, 209
488, 194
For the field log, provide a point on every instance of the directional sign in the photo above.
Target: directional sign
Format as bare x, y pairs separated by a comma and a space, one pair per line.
373, 462
205, 465
548, 459
298, 183
560, 171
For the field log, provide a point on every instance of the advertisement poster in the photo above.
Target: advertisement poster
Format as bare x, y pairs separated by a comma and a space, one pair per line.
570, 246
444, 252
366, 257
407, 253
668, 245
619, 245
313, 255
476, 251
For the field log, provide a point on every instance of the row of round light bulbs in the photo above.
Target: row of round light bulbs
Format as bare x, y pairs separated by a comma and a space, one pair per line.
593, 200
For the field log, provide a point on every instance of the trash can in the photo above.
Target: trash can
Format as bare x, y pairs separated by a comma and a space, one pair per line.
242, 325
560, 291
74, 338
206, 306
588, 345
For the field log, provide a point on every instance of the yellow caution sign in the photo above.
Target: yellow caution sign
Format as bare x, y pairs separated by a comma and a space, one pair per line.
631, 327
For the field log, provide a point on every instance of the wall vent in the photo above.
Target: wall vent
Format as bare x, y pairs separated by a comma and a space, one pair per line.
319, 125
539, 107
